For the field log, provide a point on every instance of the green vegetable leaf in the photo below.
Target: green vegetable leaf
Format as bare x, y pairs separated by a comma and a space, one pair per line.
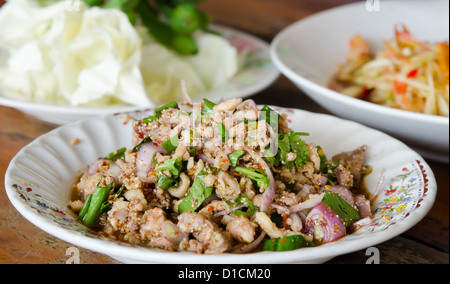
197, 194
299, 147
271, 116
171, 144
173, 166
259, 176
117, 155
158, 112
292, 143
346, 212
143, 141
287, 243
235, 156
208, 108
249, 213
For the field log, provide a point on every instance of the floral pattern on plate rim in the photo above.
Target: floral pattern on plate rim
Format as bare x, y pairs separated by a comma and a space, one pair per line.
404, 194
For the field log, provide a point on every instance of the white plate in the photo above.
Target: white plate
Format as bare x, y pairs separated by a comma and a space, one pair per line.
257, 74
38, 179
309, 51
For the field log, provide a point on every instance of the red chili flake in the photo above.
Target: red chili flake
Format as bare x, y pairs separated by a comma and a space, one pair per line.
413, 73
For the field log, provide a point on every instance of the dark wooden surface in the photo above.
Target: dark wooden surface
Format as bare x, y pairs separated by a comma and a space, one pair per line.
21, 242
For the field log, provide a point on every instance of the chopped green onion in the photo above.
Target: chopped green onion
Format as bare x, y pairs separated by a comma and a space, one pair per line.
287, 243
117, 155
171, 145
235, 156
158, 112
85, 207
250, 205
208, 108
223, 132
94, 211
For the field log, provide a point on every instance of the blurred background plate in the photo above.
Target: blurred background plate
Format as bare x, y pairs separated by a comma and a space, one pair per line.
308, 53
257, 74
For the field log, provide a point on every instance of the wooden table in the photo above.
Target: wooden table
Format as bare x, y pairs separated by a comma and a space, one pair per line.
22, 242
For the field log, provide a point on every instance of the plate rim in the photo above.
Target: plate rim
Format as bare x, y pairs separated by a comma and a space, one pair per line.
146, 254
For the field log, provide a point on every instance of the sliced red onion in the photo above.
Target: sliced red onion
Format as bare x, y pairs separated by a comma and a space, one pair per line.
281, 208
184, 94
324, 224
95, 167
173, 233
144, 159
312, 201
252, 246
269, 193
206, 159
114, 171
297, 224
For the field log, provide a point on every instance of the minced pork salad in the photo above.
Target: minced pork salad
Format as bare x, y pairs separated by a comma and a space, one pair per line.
225, 178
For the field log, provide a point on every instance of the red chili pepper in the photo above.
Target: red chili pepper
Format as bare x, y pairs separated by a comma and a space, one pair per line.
413, 73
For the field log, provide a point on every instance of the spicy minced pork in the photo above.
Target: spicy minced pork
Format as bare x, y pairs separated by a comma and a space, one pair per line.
230, 177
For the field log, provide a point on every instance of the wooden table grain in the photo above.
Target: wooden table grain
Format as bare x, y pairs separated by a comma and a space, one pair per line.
21, 242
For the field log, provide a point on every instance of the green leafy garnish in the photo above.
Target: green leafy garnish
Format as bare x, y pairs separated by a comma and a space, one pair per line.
346, 212
249, 213
173, 166
158, 112
269, 115
235, 156
287, 243
143, 141
117, 155
197, 194
171, 145
259, 176
208, 108
292, 143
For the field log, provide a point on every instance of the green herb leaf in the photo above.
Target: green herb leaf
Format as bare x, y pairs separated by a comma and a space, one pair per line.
208, 108
143, 141
346, 212
287, 243
158, 112
259, 176
249, 213
117, 155
171, 144
235, 156
197, 194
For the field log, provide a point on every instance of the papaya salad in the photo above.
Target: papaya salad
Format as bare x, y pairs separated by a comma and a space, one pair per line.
222, 178
407, 74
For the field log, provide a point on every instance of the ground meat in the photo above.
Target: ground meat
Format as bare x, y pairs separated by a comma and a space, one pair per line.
205, 232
